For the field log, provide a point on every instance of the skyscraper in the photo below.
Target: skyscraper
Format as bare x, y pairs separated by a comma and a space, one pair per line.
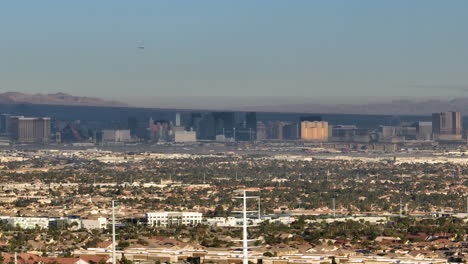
447, 125
30, 129
308, 119
276, 130
178, 120
224, 123
424, 130
261, 131
206, 127
133, 125
4, 124
316, 131
194, 121
291, 131
251, 122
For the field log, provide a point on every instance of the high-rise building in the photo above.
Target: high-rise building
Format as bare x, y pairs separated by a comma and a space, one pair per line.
261, 131
133, 126
224, 123
42, 130
205, 127
447, 125
315, 131
160, 131
291, 131
194, 121
276, 130
178, 120
29, 129
309, 119
388, 132
424, 130
4, 124
348, 133
251, 124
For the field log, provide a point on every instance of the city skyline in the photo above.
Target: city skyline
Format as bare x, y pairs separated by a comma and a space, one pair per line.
234, 132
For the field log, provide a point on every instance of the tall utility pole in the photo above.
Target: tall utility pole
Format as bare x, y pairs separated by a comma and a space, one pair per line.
334, 215
259, 211
401, 209
114, 259
245, 240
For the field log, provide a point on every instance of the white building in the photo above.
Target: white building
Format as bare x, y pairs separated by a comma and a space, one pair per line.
285, 220
71, 222
28, 222
99, 223
236, 221
173, 218
185, 136
116, 136
224, 221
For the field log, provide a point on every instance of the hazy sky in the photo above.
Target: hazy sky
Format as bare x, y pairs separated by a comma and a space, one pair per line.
309, 48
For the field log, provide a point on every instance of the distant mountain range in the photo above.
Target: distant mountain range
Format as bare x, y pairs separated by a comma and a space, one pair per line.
401, 107
56, 99
274, 104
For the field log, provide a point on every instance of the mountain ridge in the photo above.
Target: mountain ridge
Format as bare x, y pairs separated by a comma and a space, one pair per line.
400, 107
57, 99
395, 107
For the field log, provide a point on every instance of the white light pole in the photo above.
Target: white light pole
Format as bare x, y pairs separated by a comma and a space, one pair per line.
114, 258
245, 240
245, 246
334, 215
